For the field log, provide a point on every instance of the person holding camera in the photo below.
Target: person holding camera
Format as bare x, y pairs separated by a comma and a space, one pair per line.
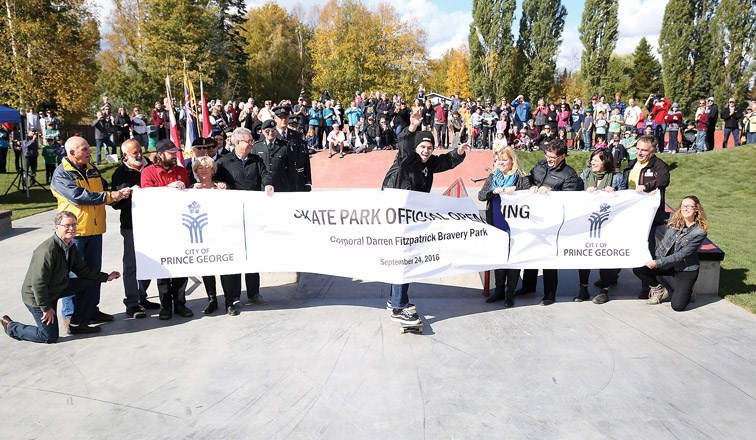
103, 127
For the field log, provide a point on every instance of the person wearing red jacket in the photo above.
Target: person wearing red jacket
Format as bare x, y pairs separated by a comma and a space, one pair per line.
659, 112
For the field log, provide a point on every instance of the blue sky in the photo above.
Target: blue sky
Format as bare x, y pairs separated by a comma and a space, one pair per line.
447, 22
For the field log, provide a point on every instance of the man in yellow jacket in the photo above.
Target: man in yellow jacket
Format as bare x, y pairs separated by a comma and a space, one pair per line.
80, 189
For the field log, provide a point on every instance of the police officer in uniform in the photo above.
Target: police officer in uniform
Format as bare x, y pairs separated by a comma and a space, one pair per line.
301, 176
277, 155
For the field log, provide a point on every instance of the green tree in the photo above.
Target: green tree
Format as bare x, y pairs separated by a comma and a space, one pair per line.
675, 46
275, 62
491, 45
541, 27
735, 27
48, 55
618, 77
646, 76
704, 63
227, 44
356, 48
598, 33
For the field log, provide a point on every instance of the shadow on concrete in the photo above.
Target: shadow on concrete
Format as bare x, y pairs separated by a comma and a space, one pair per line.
16, 232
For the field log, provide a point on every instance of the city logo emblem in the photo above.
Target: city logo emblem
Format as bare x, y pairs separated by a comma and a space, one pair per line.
194, 224
597, 219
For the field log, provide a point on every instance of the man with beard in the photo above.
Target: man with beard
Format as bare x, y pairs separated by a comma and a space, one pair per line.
301, 175
129, 175
165, 172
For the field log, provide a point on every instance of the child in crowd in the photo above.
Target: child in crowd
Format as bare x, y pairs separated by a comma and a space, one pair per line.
312, 140
615, 122
602, 125
588, 128
60, 149
500, 141
50, 153
600, 143
631, 137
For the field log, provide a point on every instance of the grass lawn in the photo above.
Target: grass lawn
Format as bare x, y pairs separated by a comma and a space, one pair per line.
722, 179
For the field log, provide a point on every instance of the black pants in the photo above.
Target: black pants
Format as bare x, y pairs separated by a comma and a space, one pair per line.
506, 283
3, 159
682, 290
172, 292
49, 170
550, 281
231, 285
607, 276
710, 138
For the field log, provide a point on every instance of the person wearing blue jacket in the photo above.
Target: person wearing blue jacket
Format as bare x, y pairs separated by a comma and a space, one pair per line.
522, 111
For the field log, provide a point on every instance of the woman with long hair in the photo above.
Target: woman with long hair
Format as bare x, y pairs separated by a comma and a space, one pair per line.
677, 255
506, 178
600, 176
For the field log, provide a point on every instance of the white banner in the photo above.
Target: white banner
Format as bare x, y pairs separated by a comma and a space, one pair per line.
391, 236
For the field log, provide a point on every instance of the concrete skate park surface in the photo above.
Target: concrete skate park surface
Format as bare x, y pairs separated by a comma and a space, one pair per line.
322, 360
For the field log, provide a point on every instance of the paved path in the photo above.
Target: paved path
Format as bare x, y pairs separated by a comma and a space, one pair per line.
323, 361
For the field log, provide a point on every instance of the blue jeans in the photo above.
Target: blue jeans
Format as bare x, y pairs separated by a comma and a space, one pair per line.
735, 136
399, 296
41, 333
673, 140
135, 290
587, 141
751, 138
700, 141
90, 250
100, 142
398, 130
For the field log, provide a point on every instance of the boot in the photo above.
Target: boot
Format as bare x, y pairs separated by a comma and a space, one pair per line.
602, 297
212, 306
583, 294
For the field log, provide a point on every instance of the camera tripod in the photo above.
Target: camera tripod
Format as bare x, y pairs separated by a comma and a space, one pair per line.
23, 181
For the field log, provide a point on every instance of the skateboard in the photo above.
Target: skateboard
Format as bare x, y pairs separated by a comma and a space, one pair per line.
412, 328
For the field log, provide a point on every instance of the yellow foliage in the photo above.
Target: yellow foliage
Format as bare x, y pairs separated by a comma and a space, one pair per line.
458, 72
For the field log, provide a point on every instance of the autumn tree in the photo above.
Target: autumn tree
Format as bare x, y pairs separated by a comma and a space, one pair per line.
458, 73
540, 35
227, 44
598, 33
48, 55
646, 76
354, 48
491, 47
275, 61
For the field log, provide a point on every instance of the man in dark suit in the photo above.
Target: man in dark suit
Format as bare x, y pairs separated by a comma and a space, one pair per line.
301, 175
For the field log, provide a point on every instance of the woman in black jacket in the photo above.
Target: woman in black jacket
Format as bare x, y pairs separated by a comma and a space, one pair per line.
506, 178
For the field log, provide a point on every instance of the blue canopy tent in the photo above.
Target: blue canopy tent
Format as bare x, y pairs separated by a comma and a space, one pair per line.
8, 114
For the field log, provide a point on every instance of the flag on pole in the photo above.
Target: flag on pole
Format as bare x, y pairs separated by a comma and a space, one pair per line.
191, 123
206, 129
172, 119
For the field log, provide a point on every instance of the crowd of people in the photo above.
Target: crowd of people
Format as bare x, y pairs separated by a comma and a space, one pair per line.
268, 149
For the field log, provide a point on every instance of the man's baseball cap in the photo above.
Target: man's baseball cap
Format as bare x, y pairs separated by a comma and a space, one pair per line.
166, 145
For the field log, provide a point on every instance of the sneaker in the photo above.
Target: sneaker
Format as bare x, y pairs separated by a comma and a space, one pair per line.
390, 308
135, 312
232, 311
149, 305
100, 316
583, 294
657, 295
405, 316
257, 299
183, 311
602, 297
165, 313
83, 329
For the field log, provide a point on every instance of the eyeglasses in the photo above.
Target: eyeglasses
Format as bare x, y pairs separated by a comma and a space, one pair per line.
68, 225
552, 157
269, 130
687, 206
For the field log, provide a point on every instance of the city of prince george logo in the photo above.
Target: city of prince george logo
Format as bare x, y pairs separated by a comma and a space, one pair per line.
194, 223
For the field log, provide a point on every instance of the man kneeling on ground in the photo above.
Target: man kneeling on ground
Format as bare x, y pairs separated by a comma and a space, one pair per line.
47, 280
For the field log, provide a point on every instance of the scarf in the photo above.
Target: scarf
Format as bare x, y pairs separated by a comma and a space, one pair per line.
600, 180
502, 181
